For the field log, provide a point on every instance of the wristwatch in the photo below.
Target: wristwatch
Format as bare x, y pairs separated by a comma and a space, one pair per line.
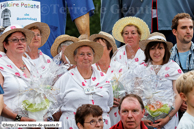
18, 118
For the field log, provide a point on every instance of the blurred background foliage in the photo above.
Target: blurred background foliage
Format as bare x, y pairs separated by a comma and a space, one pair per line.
94, 22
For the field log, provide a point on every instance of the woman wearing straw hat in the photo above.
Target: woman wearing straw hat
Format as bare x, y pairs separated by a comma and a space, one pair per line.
112, 69
130, 30
60, 44
36, 57
157, 52
83, 84
14, 70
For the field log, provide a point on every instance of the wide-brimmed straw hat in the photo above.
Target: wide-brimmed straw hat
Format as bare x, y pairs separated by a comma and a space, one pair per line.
106, 36
98, 50
60, 39
155, 37
15, 28
44, 30
121, 23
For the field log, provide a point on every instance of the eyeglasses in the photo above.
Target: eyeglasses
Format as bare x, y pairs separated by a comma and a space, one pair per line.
38, 35
94, 122
23, 40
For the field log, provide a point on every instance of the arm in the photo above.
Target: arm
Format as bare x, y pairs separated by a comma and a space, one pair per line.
6, 112
161, 122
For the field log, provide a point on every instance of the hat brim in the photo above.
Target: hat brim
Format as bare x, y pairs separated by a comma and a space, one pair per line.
144, 43
121, 23
44, 28
29, 35
98, 50
112, 43
59, 40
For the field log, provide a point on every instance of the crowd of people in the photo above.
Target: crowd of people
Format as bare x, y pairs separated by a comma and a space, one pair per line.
85, 90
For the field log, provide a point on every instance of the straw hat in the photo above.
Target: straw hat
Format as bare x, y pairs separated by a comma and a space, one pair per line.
98, 49
44, 29
14, 28
106, 36
59, 40
155, 37
120, 25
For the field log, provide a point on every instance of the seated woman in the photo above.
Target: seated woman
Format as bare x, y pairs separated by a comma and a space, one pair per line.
14, 71
130, 30
83, 84
157, 52
35, 56
89, 116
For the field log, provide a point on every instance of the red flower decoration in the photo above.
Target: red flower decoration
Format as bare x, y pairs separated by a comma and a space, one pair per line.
72, 74
66, 117
120, 70
48, 61
93, 78
43, 67
107, 81
124, 53
179, 71
17, 74
70, 128
167, 75
112, 71
100, 87
40, 53
0, 55
24, 75
12, 27
115, 114
101, 73
106, 121
9, 66
136, 59
120, 57
74, 113
93, 102
1, 68
97, 84
83, 84
167, 68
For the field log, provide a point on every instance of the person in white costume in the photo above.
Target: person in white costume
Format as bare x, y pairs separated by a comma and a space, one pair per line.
83, 84
130, 30
36, 57
106, 65
14, 70
185, 88
60, 44
157, 52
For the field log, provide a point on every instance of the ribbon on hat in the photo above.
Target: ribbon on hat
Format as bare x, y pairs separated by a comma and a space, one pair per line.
156, 37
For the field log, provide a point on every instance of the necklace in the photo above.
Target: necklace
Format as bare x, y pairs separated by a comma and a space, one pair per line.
100, 68
23, 67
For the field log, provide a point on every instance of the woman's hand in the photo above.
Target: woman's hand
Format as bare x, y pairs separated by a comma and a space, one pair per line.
161, 122
116, 102
148, 122
27, 119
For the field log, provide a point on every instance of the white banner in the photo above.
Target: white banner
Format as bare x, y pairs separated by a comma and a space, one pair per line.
19, 12
30, 124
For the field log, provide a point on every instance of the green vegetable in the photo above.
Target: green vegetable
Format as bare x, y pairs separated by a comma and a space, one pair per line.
35, 107
164, 109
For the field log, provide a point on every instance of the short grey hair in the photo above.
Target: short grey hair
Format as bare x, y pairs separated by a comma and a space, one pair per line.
65, 43
75, 52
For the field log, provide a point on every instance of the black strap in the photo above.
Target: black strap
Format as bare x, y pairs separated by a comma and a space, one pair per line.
186, 70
